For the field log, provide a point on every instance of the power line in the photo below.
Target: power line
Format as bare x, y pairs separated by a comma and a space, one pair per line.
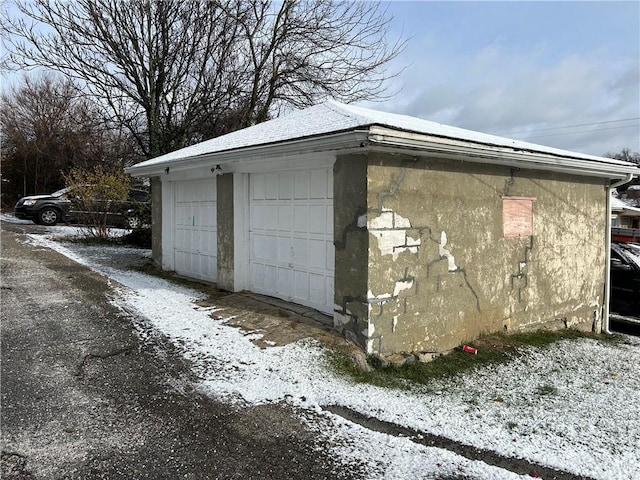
582, 131
572, 126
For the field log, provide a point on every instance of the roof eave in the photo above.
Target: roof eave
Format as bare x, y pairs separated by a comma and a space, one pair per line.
375, 137
346, 140
500, 155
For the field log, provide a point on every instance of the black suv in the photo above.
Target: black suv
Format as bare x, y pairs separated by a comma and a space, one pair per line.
625, 279
61, 206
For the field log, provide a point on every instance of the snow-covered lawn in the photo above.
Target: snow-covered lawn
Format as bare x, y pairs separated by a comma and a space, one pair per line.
64, 231
574, 406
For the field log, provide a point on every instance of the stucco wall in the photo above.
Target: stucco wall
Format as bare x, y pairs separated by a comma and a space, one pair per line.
225, 237
156, 220
440, 270
351, 243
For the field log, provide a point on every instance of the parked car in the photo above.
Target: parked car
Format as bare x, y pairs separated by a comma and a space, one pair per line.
625, 279
63, 206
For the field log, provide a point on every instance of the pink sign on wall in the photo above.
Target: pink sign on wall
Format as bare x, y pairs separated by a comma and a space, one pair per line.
517, 216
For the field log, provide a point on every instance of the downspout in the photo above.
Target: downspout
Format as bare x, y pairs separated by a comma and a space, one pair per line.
607, 284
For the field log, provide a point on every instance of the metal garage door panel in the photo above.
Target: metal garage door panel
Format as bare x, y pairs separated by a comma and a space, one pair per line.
291, 236
195, 229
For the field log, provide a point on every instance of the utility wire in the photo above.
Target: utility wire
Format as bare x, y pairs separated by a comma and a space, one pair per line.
582, 131
572, 126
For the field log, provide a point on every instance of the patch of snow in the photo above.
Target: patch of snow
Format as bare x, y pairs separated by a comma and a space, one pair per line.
69, 231
633, 250
9, 218
623, 207
573, 406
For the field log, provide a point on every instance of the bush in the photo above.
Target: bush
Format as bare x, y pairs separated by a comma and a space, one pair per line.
97, 194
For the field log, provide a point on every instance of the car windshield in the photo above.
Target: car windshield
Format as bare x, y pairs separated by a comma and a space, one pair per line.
634, 256
59, 193
629, 254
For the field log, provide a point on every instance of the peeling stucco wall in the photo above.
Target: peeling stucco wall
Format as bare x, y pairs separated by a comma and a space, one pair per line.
390, 230
440, 271
351, 242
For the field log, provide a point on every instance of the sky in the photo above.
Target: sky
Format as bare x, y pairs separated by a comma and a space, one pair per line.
562, 74
524, 70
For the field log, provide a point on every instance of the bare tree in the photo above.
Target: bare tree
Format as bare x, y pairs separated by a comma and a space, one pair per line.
626, 155
154, 64
176, 72
308, 50
47, 129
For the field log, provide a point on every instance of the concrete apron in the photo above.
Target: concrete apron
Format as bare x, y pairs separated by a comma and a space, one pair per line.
279, 322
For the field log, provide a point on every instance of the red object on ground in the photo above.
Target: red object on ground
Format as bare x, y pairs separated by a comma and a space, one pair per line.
468, 349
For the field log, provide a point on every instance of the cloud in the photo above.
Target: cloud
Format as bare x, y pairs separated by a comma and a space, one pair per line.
519, 93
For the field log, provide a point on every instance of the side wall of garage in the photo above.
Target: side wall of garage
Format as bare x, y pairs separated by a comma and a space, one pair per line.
460, 249
351, 240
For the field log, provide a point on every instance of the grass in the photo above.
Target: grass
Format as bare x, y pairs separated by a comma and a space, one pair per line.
492, 349
546, 390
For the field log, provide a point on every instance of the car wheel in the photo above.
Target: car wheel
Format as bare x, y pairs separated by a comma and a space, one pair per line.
48, 216
133, 223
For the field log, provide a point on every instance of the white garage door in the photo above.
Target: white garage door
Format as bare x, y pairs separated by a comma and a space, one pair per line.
195, 233
291, 236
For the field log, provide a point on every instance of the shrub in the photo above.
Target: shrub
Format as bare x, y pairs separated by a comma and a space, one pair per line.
97, 194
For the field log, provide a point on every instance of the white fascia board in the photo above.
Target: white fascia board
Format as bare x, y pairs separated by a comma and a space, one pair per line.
627, 211
584, 165
354, 139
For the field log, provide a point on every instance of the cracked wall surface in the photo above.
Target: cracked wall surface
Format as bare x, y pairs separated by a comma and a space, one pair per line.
351, 240
439, 270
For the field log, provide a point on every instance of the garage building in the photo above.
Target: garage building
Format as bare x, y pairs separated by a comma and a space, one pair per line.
410, 235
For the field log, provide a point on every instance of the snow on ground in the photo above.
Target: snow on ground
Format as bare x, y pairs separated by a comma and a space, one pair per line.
59, 231
5, 217
574, 406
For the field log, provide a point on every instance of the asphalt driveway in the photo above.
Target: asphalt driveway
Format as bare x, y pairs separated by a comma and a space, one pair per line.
84, 398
